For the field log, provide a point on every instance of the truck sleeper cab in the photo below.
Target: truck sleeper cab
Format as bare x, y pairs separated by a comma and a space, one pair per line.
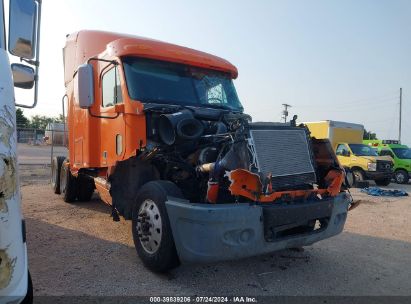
159, 131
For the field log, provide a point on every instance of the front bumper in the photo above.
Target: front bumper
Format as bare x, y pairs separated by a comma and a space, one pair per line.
376, 175
209, 233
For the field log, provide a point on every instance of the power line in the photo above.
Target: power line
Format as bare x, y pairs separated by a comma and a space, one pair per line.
343, 105
362, 107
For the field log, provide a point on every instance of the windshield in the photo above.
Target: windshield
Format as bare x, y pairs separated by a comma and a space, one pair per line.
164, 82
362, 150
403, 153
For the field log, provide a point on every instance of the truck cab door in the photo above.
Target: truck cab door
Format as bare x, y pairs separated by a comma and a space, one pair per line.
112, 122
343, 155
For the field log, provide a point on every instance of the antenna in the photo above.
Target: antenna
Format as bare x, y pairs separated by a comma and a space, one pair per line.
285, 111
399, 127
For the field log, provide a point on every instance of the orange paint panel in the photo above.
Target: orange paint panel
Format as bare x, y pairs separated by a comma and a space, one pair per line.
78, 152
81, 46
334, 179
248, 184
149, 48
245, 183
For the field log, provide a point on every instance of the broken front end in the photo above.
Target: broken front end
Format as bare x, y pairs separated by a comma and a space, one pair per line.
255, 187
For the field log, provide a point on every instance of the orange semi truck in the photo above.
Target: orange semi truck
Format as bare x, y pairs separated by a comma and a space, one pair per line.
158, 130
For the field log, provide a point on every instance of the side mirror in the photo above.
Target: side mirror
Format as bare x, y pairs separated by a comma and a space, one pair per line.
23, 76
23, 29
346, 153
83, 86
24, 42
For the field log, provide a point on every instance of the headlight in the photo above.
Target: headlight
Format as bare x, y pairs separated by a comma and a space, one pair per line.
372, 166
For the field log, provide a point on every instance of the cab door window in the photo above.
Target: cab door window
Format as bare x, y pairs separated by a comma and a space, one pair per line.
111, 88
342, 150
386, 152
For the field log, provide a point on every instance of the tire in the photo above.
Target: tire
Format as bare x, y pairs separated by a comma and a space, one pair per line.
28, 299
55, 173
86, 187
349, 178
383, 182
358, 175
68, 184
401, 177
157, 252
362, 184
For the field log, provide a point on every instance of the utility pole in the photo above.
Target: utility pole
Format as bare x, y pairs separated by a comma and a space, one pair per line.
399, 127
285, 111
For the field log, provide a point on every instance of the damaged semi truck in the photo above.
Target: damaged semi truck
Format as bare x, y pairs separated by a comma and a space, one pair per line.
158, 130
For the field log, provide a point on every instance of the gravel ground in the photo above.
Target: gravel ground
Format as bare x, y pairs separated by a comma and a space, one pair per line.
76, 249
34, 174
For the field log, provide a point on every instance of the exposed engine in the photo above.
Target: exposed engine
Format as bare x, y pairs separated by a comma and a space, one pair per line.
216, 156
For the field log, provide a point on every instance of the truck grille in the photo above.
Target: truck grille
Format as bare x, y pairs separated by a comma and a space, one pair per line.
384, 166
286, 154
284, 220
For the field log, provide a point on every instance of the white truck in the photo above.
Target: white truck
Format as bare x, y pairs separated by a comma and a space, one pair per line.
23, 42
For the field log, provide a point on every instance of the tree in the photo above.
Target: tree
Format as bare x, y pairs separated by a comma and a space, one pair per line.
59, 118
21, 120
40, 122
369, 135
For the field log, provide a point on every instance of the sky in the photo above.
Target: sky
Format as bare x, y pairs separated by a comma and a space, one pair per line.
330, 60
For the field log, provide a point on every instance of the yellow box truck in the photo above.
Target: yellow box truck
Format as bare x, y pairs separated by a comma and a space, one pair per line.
347, 141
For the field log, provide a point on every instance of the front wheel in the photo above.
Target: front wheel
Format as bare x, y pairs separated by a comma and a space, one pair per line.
151, 229
85, 189
349, 178
55, 173
68, 183
401, 177
358, 175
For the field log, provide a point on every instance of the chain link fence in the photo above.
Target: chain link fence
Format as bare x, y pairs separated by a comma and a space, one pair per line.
30, 136
35, 149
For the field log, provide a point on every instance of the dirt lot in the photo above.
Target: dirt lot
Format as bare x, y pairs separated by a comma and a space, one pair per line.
38, 155
76, 249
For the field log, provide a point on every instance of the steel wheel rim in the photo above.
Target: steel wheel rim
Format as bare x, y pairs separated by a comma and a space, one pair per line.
400, 177
149, 226
358, 176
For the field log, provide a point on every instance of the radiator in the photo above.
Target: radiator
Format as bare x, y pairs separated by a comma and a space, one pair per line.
285, 153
